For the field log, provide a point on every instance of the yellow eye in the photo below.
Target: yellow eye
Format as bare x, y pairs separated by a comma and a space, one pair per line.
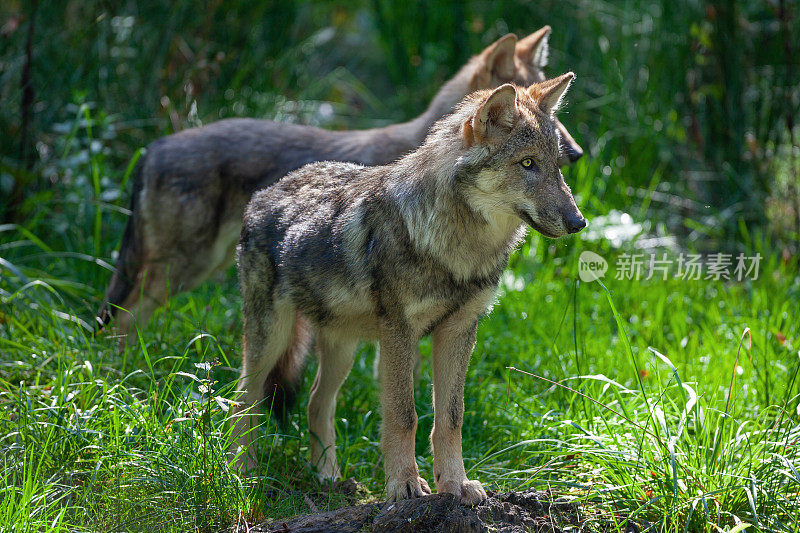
527, 162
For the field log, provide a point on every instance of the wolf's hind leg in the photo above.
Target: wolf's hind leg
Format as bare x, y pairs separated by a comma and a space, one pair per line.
268, 333
335, 355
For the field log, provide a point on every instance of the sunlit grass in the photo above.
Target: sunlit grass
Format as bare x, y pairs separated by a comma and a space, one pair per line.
672, 402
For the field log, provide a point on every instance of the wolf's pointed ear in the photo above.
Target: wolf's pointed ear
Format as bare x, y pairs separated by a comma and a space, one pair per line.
497, 113
498, 57
548, 94
533, 49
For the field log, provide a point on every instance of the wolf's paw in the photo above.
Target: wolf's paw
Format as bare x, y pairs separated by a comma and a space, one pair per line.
470, 492
403, 489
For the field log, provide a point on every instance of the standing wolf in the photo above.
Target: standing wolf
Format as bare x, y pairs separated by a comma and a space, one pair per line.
393, 253
191, 188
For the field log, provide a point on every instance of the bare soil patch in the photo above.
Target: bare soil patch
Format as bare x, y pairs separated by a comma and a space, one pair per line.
509, 512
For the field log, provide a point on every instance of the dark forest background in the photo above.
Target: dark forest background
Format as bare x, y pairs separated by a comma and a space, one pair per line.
687, 109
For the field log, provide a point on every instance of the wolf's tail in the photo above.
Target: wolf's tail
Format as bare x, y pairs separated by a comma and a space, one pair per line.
130, 257
283, 381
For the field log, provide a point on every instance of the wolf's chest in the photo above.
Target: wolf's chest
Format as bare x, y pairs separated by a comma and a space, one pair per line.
424, 313
420, 314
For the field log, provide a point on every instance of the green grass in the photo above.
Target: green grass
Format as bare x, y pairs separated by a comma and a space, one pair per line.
668, 401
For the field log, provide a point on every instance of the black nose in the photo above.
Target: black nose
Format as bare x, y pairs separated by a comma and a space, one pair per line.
574, 153
574, 224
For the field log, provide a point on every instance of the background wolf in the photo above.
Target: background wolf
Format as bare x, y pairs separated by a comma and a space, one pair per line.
392, 253
191, 188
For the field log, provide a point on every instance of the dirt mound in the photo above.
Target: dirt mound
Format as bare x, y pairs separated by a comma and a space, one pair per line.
510, 512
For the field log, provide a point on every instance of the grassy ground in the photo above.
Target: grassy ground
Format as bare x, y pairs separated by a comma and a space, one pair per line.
668, 401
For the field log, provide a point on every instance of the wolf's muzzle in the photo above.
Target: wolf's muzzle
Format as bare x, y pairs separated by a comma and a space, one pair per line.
574, 223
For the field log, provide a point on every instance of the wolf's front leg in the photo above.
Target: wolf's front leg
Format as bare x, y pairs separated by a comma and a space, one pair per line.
335, 355
398, 354
453, 341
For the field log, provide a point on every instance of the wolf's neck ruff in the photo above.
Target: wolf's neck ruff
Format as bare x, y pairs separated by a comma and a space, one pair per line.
442, 225
430, 186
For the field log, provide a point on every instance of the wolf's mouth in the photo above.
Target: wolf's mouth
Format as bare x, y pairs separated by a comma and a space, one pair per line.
529, 221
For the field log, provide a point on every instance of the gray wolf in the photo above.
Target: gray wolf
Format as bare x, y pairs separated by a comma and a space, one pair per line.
191, 188
393, 253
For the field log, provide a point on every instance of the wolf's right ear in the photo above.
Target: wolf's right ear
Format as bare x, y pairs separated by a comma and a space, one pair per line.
534, 49
548, 94
497, 113
498, 57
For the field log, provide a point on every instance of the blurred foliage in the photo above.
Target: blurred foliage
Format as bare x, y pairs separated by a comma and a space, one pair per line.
687, 105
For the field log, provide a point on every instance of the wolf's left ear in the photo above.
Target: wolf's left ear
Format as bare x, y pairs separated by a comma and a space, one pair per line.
549, 94
498, 57
496, 114
534, 49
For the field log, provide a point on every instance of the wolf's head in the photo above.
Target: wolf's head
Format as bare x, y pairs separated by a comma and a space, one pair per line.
509, 169
521, 62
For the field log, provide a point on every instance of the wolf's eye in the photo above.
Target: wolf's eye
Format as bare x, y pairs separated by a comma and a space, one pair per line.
527, 163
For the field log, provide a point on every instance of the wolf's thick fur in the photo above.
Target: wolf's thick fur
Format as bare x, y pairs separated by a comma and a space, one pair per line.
393, 253
191, 188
